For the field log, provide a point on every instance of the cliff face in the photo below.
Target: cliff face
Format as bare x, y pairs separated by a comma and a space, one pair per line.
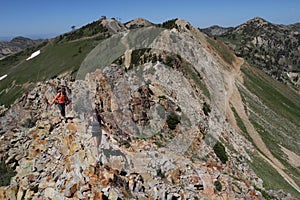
168, 101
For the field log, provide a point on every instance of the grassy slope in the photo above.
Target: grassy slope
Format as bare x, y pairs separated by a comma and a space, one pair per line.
53, 60
276, 117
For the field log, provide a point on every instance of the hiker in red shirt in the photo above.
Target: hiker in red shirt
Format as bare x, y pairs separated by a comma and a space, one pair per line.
61, 100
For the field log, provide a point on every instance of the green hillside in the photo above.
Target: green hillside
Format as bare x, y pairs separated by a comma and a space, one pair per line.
275, 114
62, 54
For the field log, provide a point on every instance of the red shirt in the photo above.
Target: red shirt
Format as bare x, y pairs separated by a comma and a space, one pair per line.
60, 98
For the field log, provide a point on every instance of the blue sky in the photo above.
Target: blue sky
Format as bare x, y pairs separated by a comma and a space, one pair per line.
44, 18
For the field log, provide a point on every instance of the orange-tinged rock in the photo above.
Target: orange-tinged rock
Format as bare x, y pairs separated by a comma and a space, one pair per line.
75, 147
88, 172
31, 178
98, 195
207, 185
140, 143
57, 118
28, 194
2, 193
130, 149
181, 195
43, 142
93, 180
252, 193
43, 147
71, 127
11, 192
48, 178
194, 179
104, 182
35, 135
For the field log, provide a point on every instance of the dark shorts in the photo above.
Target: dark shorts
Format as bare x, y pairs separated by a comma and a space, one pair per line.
62, 108
96, 133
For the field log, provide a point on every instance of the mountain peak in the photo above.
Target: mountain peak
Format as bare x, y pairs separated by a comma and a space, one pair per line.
138, 22
19, 38
257, 21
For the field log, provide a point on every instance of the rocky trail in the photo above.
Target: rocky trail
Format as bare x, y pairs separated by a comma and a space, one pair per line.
56, 160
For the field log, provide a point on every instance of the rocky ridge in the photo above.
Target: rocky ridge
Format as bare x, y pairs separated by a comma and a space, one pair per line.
57, 160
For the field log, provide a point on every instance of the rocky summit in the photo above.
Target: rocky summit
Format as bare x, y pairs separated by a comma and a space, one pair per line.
171, 108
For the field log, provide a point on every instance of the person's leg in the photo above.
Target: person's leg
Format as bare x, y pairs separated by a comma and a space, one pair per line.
63, 110
60, 108
95, 138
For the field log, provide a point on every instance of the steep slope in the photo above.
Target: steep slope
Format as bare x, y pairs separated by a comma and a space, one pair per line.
270, 47
58, 55
183, 118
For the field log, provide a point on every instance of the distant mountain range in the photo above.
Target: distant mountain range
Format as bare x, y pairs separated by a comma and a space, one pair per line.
16, 45
270, 47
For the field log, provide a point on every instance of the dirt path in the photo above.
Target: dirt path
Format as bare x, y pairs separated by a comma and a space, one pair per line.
235, 99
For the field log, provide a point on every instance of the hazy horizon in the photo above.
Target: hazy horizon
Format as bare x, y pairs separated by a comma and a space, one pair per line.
33, 18
52, 35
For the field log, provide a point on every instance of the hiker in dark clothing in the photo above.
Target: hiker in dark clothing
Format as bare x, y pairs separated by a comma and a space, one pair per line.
61, 100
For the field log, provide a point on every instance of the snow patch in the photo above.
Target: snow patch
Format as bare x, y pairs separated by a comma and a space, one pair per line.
34, 54
3, 77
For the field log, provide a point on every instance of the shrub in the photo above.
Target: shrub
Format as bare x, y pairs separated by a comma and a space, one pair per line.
219, 150
125, 143
264, 193
206, 109
160, 173
173, 120
169, 61
5, 174
169, 24
218, 185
